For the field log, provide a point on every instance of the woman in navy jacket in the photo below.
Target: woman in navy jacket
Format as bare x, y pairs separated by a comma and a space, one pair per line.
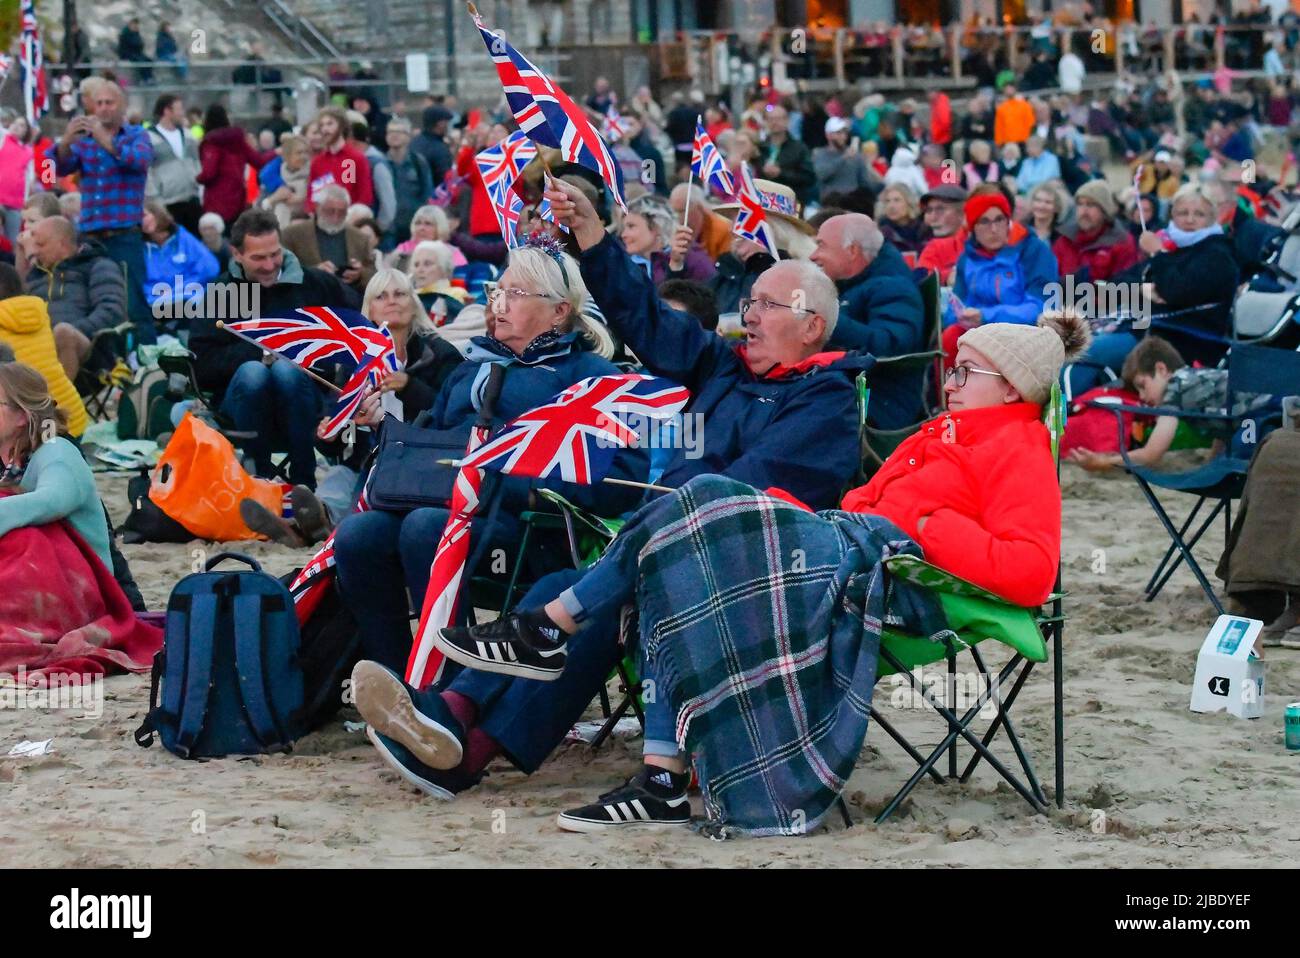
545, 344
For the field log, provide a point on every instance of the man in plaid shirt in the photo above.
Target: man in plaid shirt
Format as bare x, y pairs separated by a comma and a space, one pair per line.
113, 159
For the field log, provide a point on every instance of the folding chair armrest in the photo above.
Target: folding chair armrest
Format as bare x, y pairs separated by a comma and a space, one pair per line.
1120, 409
909, 360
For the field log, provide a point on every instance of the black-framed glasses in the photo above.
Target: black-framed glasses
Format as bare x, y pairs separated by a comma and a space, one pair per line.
996, 221
765, 305
959, 374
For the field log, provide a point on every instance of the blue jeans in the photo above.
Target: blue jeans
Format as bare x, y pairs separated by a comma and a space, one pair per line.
126, 248
282, 405
1109, 350
528, 719
379, 556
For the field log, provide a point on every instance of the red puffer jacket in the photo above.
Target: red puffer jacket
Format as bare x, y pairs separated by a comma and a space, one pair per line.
986, 481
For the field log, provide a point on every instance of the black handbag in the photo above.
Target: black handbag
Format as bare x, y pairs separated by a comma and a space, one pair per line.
408, 473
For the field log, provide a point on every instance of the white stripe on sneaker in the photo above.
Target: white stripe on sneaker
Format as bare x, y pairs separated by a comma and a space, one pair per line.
640, 809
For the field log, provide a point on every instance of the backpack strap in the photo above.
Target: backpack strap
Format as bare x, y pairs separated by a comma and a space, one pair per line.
198, 680
144, 734
249, 665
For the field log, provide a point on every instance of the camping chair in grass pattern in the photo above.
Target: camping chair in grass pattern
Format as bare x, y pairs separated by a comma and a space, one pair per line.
1251, 369
976, 615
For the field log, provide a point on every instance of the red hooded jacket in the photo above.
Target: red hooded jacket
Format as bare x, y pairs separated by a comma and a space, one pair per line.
986, 481
223, 154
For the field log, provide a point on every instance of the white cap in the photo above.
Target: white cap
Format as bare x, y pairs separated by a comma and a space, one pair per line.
836, 124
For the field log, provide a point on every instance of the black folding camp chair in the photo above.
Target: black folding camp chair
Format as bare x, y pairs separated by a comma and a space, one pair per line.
929, 362
105, 370
1251, 369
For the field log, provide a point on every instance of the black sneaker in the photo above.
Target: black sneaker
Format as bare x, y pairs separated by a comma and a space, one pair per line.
420, 721
528, 645
633, 804
440, 783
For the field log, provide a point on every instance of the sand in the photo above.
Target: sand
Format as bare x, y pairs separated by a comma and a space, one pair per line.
1147, 781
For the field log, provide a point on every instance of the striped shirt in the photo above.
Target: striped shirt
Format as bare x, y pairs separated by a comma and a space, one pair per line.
112, 187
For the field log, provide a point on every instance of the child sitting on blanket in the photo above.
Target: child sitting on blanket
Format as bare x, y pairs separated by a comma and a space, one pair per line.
1157, 373
975, 488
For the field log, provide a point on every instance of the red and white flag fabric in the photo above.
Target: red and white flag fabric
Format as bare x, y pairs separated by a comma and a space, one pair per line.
707, 162
575, 435
751, 219
612, 126
364, 380
499, 166
547, 114
442, 597
31, 58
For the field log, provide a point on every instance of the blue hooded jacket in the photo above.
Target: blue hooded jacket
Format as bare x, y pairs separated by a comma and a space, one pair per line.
1009, 286
797, 431
881, 313
534, 380
184, 256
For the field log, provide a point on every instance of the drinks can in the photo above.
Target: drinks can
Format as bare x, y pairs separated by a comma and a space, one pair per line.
1291, 724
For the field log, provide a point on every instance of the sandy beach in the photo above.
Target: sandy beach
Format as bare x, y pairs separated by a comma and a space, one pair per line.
1147, 781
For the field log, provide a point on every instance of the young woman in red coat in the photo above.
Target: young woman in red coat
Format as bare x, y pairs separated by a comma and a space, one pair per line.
223, 153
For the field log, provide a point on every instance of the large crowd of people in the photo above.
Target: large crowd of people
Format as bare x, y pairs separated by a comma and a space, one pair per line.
1001, 202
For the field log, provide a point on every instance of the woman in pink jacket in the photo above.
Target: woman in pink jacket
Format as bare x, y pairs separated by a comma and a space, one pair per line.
15, 162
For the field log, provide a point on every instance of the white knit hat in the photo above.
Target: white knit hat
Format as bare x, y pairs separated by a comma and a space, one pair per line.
1031, 357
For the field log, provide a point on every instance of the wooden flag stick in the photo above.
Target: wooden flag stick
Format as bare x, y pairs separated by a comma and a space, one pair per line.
690, 178
252, 342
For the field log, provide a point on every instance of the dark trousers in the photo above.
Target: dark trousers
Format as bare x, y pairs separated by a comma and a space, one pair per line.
528, 719
282, 405
126, 248
380, 555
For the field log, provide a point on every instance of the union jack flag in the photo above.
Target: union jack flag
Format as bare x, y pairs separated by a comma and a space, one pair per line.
499, 166
313, 334
573, 437
6, 64
547, 114
751, 218
612, 127
707, 162
32, 59
363, 380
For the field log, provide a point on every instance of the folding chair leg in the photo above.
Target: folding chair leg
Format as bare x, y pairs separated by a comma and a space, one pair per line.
519, 565
1058, 700
630, 701
1173, 547
959, 727
844, 812
1003, 719
952, 686
1191, 544
1182, 546
904, 743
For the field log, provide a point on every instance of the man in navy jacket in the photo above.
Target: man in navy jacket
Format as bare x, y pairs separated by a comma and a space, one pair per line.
880, 311
779, 411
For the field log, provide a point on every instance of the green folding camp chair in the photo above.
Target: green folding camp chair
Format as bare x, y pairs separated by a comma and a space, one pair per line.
976, 616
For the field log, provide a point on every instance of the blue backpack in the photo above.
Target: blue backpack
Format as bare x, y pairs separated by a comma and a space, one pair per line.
231, 678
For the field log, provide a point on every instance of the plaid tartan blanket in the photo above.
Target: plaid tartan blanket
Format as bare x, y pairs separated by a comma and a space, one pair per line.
762, 622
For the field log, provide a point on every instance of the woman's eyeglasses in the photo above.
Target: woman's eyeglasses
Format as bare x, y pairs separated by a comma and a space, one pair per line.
505, 295
959, 374
995, 222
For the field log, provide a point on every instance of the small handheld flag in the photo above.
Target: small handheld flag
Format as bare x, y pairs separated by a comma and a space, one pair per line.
707, 162
751, 218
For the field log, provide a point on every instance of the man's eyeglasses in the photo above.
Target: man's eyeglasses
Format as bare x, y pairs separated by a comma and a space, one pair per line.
959, 374
765, 306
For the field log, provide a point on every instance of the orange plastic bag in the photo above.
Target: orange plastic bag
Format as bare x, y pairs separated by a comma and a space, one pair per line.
199, 482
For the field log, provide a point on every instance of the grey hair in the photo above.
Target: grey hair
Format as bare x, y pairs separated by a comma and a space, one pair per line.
694, 195
386, 277
212, 219
819, 293
560, 278
861, 231
435, 215
333, 192
442, 253
399, 122
658, 215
